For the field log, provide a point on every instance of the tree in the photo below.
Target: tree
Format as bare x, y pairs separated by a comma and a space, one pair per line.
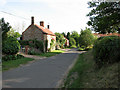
5, 28
72, 42
68, 35
86, 38
75, 35
60, 39
12, 33
63, 34
104, 17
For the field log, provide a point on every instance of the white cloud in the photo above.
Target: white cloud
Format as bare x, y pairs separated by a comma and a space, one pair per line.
3, 2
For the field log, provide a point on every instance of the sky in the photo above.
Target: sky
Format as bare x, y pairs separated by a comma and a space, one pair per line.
61, 15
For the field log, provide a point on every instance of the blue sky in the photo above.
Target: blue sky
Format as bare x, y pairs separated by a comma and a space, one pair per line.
62, 15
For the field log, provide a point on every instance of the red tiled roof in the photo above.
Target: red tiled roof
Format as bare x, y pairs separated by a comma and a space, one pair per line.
110, 34
45, 30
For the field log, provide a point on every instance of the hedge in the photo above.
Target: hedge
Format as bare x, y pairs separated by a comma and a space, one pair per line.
107, 50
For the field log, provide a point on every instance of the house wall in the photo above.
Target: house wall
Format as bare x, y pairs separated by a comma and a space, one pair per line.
33, 33
49, 37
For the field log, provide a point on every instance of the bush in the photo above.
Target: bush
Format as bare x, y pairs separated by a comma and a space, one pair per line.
86, 38
107, 50
12, 57
10, 46
72, 42
23, 42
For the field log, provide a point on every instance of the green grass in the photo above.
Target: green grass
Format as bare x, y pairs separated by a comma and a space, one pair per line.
84, 74
6, 65
49, 54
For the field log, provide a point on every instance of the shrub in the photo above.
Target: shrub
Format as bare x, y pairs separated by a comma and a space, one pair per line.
107, 50
86, 38
12, 57
23, 42
72, 42
10, 46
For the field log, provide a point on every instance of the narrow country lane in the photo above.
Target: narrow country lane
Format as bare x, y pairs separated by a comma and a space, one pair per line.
44, 73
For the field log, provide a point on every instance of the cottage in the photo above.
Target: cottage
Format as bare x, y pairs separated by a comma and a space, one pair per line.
39, 32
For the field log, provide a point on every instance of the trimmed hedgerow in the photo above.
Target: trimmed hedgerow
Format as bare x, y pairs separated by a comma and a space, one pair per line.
107, 50
12, 57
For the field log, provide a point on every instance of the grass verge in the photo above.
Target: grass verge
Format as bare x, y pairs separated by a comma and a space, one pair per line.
49, 54
6, 65
85, 75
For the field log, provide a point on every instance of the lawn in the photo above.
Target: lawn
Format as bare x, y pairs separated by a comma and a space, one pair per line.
49, 54
6, 65
84, 74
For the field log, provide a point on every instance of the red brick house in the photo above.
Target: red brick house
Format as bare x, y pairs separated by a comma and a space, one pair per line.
38, 32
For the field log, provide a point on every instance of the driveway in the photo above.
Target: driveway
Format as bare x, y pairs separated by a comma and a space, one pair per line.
44, 73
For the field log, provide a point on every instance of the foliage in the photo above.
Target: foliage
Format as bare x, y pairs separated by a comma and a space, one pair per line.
86, 38
75, 35
5, 28
63, 34
73, 46
32, 52
23, 42
10, 46
68, 35
107, 50
84, 74
32, 43
72, 42
12, 57
12, 33
103, 12
60, 39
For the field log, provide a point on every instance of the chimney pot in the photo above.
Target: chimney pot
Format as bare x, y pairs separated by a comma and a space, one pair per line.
48, 26
42, 23
32, 20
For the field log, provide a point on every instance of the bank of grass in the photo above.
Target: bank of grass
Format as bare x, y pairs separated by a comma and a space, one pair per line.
84, 74
49, 54
6, 65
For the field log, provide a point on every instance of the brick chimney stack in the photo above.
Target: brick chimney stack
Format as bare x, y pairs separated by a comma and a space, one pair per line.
42, 23
32, 20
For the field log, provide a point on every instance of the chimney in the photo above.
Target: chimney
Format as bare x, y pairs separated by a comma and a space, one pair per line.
32, 20
42, 23
48, 26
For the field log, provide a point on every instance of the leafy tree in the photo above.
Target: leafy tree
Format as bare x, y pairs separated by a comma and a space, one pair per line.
5, 28
75, 35
86, 38
104, 17
60, 39
12, 33
68, 35
72, 42
63, 34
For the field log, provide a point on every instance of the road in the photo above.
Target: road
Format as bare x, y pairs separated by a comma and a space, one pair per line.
44, 73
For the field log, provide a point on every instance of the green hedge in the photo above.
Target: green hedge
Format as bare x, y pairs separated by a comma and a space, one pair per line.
12, 57
107, 50
10, 46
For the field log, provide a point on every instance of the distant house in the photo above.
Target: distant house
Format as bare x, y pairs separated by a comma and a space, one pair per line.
110, 34
67, 42
38, 32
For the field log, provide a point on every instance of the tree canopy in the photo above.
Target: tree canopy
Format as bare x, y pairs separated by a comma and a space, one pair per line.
86, 38
104, 17
5, 28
